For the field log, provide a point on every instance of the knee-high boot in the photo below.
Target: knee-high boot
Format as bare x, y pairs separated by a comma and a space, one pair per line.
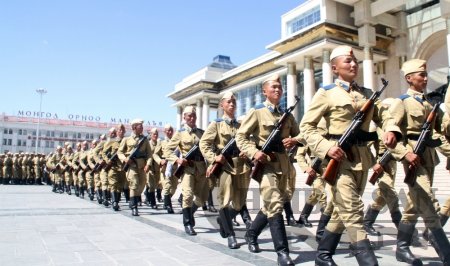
327, 248
211, 207
364, 253
187, 222
439, 241
324, 219
245, 215
251, 236
404, 237
369, 220
226, 227
168, 203
279, 238
303, 220
290, 220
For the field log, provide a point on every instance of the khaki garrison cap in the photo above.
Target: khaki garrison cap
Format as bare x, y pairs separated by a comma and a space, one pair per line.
227, 95
153, 130
67, 144
137, 121
341, 50
414, 65
274, 77
189, 109
167, 126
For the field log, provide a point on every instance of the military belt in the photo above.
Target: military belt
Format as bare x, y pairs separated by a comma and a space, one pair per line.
356, 142
413, 136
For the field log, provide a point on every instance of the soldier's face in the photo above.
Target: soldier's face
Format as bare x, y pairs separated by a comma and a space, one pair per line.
121, 133
229, 106
169, 132
138, 128
273, 91
418, 80
190, 119
345, 67
154, 136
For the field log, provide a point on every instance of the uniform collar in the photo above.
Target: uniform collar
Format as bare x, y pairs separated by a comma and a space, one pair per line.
273, 108
419, 96
228, 120
189, 129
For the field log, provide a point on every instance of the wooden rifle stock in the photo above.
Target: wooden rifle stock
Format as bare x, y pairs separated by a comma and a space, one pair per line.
111, 161
180, 170
384, 160
216, 168
133, 153
331, 172
315, 165
419, 148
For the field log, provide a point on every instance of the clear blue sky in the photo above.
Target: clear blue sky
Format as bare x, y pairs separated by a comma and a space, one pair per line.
111, 58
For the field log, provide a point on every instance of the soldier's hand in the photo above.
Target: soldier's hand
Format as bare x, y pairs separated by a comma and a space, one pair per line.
289, 143
413, 159
390, 140
146, 168
162, 162
310, 171
220, 159
242, 155
336, 153
261, 157
377, 168
181, 161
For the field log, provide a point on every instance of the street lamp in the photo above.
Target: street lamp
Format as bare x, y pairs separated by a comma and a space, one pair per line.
41, 92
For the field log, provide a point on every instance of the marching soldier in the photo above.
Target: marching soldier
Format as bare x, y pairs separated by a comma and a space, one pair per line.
55, 166
170, 182
410, 112
251, 136
338, 103
100, 177
234, 177
153, 174
137, 163
75, 165
67, 171
8, 169
85, 184
116, 176
2, 159
193, 181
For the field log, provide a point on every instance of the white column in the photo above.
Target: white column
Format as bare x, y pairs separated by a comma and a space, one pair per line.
403, 83
205, 114
327, 73
368, 68
248, 102
179, 117
308, 81
199, 113
291, 83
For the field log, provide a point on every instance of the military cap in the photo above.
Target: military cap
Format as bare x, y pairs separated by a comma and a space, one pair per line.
137, 121
153, 130
274, 77
168, 126
414, 65
58, 147
341, 50
111, 130
94, 141
189, 109
67, 144
228, 95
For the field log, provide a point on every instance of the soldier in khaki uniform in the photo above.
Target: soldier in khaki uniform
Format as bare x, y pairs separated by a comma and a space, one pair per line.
55, 166
67, 171
137, 165
251, 136
100, 176
90, 175
338, 103
75, 165
169, 181
153, 174
193, 181
234, 177
410, 111
8, 169
116, 176
84, 168
2, 159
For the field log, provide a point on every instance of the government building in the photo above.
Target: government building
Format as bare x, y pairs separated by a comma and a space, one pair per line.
383, 33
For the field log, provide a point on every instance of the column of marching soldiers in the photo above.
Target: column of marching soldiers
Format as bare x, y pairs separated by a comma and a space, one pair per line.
330, 144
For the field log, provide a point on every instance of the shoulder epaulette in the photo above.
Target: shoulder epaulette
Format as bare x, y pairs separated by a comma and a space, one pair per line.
404, 96
181, 129
259, 106
329, 86
218, 120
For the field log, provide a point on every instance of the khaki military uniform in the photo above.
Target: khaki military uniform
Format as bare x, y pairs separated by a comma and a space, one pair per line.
68, 178
136, 175
235, 177
100, 177
2, 159
84, 176
154, 173
57, 173
75, 165
338, 104
116, 176
8, 169
259, 122
170, 182
193, 181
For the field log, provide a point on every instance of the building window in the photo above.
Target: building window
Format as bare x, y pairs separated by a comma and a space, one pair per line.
61, 134
20, 132
47, 144
24, 143
34, 133
304, 20
47, 133
5, 131
66, 134
53, 133
79, 135
10, 131
9, 142
19, 142
52, 144
33, 143
5, 141
24, 132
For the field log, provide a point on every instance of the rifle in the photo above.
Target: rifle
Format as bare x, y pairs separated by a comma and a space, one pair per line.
419, 148
180, 170
384, 160
217, 167
57, 167
98, 166
274, 135
111, 161
134, 153
315, 165
350, 134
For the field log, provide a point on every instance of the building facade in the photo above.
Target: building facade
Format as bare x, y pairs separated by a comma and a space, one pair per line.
383, 33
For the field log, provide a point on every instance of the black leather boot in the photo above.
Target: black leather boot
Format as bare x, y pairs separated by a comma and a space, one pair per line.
158, 195
91, 193
151, 196
251, 236
444, 219
115, 200
211, 207
369, 220
364, 254
68, 190
290, 220
77, 190
279, 238
147, 196
168, 203
245, 215
82, 189
303, 220
404, 237
439, 241
396, 217
126, 193
99, 196
188, 227
225, 217
327, 248
54, 188
324, 219
180, 199
134, 205
193, 210
105, 198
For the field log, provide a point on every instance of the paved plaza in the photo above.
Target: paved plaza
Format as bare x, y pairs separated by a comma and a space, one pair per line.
38, 227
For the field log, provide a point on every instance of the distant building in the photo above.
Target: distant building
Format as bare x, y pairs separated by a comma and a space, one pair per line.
18, 133
383, 33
